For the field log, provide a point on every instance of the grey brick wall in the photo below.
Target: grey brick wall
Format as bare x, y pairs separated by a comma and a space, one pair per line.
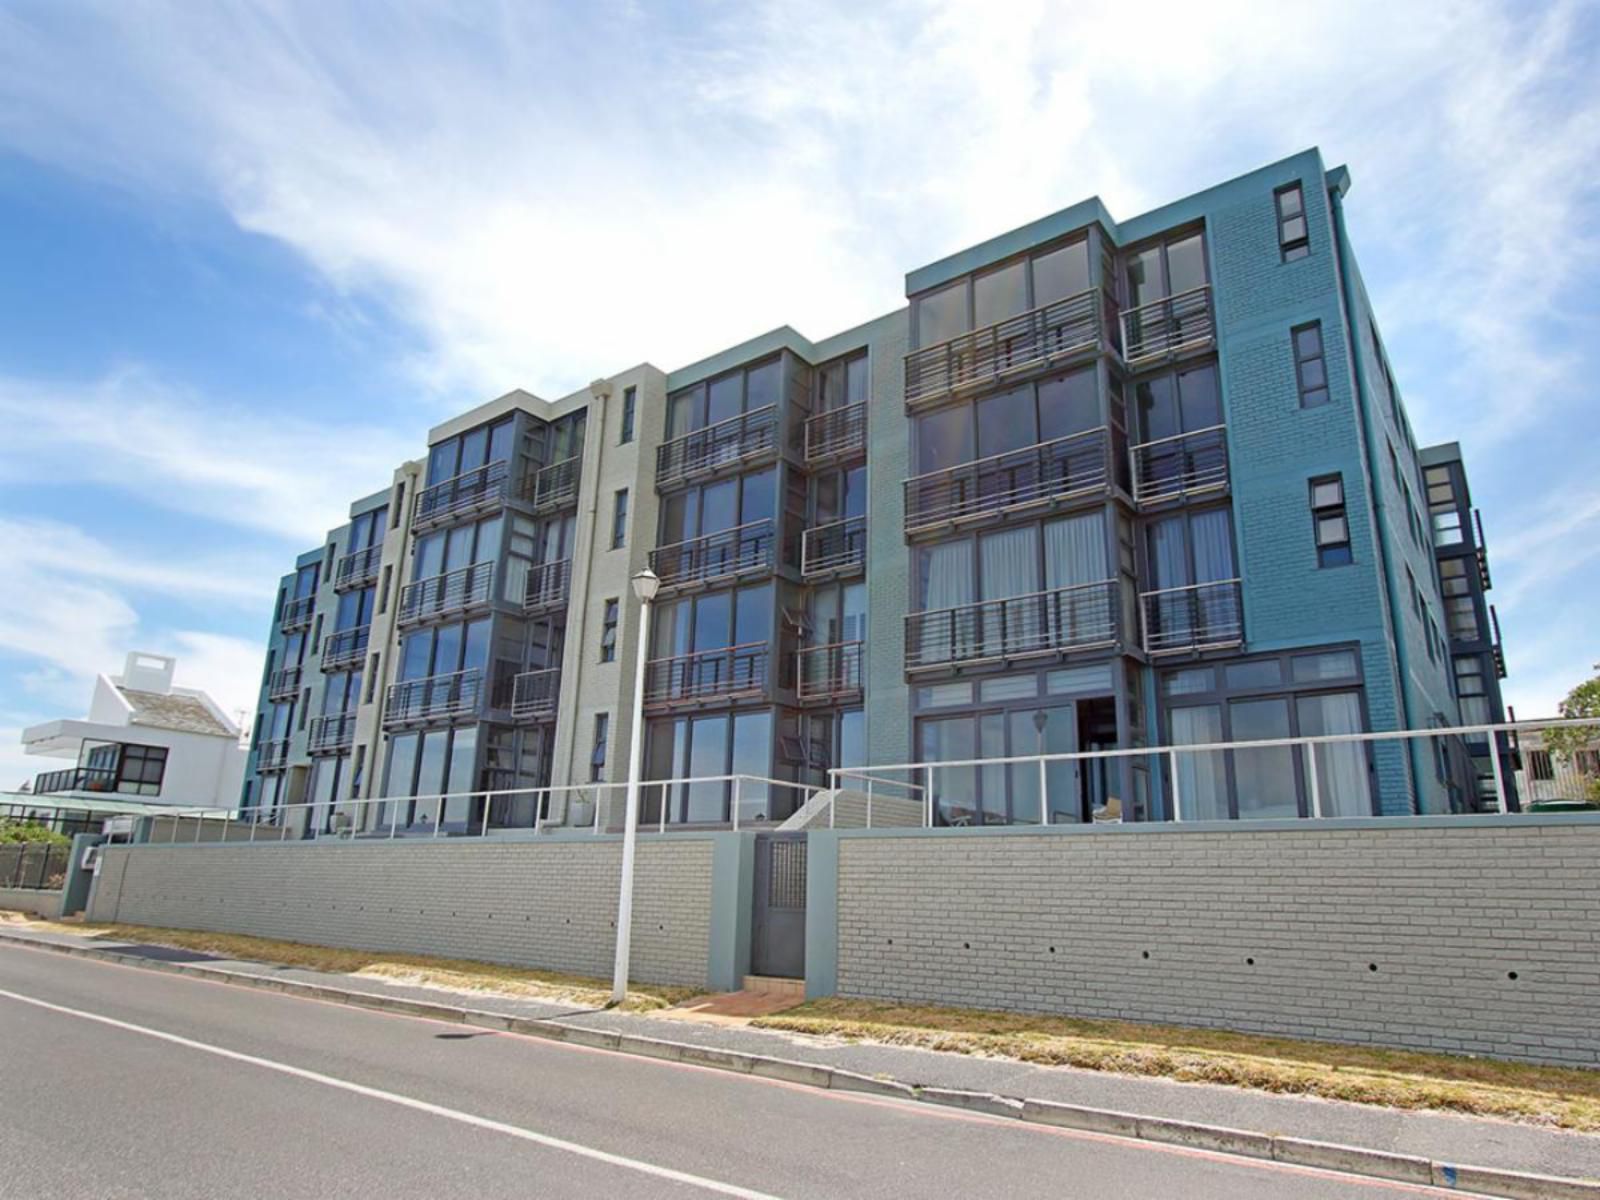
549, 904
31, 900
1462, 935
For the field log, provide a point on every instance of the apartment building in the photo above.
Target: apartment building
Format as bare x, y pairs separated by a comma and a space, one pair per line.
1098, 484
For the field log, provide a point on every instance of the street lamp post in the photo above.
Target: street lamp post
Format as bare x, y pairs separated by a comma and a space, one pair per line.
645, 584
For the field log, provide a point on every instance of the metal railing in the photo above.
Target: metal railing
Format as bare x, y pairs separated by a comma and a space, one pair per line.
1496, 647
297, 613
272, 754
837, 548
1027, 342
830, 672
1048, 473
34, 866
471, 491
1170, 326
1187, 620
726, 554
736, 440
554, 487
535, 695
346, 648
284, 683
1181, 466
1480, 550
331, 732
548, 587
691, 803
448, 594
76, 779
1393, 773
358, 568
836, 433
729, 673
437, 697
1077, 618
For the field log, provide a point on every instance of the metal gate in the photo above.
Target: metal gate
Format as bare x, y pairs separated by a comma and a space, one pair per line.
779, 929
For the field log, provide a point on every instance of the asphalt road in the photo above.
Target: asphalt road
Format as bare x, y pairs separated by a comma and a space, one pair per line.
119, 1082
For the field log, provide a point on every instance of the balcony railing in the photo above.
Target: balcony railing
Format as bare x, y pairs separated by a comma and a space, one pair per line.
272, 754
346, 648
283, 684
1181, 466
1497, 649
76, 779
1029, 342
331, 733
1187, 620
838, 548
1480, 550
536, 694
297, 613
1049, 473
472, 491
438, 697
554, 487
1168, 327
837, 433
549, 586
732, 673
728, 443
1078, 618
742, 550
358, 568
448, 594
830, 672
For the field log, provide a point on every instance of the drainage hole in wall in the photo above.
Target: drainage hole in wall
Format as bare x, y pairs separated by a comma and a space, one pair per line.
1511, 974
1144, 954
1052, 949
1249, 962
966, 945
1372, 966
891, 941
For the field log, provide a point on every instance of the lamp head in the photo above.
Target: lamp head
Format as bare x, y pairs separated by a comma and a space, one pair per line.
645, 584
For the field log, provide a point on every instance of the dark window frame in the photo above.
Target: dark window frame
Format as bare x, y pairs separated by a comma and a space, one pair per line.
1309, 392
1334, 552
611, 618
630, 401
1292, 247
619, 519
602, 738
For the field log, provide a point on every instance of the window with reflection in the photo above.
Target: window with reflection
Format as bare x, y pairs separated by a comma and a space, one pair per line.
745, 390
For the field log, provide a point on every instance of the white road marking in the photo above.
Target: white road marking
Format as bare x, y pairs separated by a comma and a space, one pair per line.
437, 1110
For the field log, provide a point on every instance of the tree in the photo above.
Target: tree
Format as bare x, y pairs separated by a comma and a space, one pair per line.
1581, 703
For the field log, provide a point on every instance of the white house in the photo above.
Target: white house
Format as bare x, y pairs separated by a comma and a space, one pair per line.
144, 739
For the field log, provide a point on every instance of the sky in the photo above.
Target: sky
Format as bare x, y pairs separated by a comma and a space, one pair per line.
250, 252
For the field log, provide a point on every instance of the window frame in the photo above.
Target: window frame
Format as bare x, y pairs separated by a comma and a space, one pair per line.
1302, 361
1292, 249
619, 519
1338, 552
610, 620
630, 402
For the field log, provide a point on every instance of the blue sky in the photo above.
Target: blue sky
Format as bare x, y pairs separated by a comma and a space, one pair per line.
250, 252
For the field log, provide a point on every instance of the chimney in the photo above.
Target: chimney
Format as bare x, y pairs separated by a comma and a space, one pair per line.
148, 672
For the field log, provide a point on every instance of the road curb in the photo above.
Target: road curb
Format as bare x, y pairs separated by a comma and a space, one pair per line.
1351, 1160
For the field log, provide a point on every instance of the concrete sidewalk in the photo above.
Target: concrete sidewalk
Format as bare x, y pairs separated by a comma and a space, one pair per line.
1442, 1138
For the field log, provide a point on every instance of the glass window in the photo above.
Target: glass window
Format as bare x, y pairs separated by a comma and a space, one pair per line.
1201, 783
763, 385
608, 632
1293, 239
1264, 779
944, 439
758, 501
708, 756
851, 750
951, 739
1069, 404
1336, 664
1006, 422
686, 411
1199, 399
1265, 672
753, 615
619, 519
1186, 264
442, 461
474, 449
1000, 294
1144, 277
463, 775
401, 769
725, 398
430, 769
1061, 273
630, 401
942, 315
1311, 371
500, 438
712, 614
1329, 524
1342, 783
597, 756
752, 756
1187, 682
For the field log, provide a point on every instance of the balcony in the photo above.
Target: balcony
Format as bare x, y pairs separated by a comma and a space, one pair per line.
1169, 328
535, 695
467, 494
1497, 649
436, 698
1193, 619
732, 443
272, 754
75, 779
555, 487
283, 684
1026, 344
1480, 550
447, 595
357, 569
1182, 467
297, 614
345, 649
838, 434
548, 588
728, 674
1036, 477
729, 554
1073, 619
832, 672
331, 733
834, 550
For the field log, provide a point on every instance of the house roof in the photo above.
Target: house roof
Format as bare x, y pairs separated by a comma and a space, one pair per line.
188, 714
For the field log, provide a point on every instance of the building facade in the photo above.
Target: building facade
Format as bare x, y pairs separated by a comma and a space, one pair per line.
1099, 484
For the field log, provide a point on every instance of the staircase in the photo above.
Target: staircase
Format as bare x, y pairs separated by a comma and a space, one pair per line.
847, 808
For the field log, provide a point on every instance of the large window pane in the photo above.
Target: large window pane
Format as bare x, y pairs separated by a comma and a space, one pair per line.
752, 756
724, 398
463, 759
1144, 277
759, 499
1186, 264
944, 439
753, 615
1341, 766
1061, 273
708, 756
1264, 780
1201, 785
719, 506
1199, 401
1068, 405
1000, 294
852, 748
942, 315
763, 384
954, 789
1006, 422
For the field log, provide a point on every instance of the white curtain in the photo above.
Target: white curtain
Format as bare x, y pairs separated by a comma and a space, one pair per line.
1010, 568
1202, 787
947, 583
1075, 553
1341, 766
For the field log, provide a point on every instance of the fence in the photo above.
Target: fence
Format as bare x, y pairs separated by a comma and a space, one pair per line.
1460, 769
36, 866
